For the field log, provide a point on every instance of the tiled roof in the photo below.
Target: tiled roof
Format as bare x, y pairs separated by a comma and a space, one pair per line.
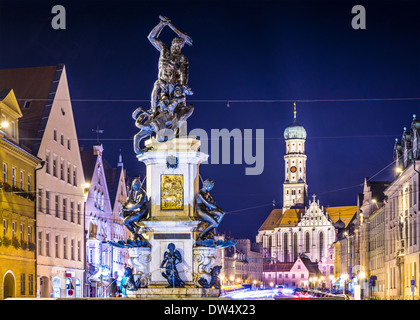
346, 214
291, 217
278, 267
37, 85
272, 220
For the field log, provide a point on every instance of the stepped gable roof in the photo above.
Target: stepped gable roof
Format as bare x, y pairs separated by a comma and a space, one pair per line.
37, 85
272, 220
345, 214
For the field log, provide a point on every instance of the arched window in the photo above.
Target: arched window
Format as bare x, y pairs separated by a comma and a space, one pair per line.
307, 242
295, 246
321, 245
285, 248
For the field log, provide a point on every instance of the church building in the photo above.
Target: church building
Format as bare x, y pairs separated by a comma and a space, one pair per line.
301, 229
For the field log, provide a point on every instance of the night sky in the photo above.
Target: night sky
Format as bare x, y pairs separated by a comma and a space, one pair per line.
242, 51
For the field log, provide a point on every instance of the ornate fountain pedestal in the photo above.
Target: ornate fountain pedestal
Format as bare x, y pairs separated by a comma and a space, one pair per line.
172, 175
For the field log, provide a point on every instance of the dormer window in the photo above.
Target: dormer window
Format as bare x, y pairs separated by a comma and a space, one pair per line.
27, 104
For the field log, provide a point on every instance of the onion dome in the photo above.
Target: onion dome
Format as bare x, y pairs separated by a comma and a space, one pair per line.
294, 130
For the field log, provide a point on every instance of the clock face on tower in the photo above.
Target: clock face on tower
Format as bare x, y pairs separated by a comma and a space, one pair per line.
293, 169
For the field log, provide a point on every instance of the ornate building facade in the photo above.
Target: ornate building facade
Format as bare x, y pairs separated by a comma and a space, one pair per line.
402, 221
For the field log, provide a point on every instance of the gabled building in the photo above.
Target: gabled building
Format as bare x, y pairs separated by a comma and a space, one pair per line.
48, 130
117, 187
297, 274
17, 205
98, 222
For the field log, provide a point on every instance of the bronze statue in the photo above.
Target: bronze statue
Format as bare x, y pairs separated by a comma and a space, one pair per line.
171, 258
214, 280
168, 98
135, 209
207, 211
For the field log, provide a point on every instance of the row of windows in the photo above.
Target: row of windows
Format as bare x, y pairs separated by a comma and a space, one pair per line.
24, 184
62, 247
286, 276
65, 209
55, 136
14, 231
68, 172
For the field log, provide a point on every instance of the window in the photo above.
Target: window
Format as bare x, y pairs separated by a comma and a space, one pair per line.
68, 144
72, 249
31, 284
55, 166
64, 208
4, 172
62, 139
321, 245
71, 211
47, 162
22, 233
79, 251
78, 213
75, 176
13, 229
307, 244
13, 176
55, 135
27, 104
22, 180
29, 183
57, 243
68, 173
47, 201
47, 244
62, 169
22, 284
57, 206
29, 234
40, 199
4, 227
40, 243
65, 247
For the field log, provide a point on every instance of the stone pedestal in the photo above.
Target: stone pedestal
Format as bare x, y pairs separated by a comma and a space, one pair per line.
172, 175
204, 260
140, 261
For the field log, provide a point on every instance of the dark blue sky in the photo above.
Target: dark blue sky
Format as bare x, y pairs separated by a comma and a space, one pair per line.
242, 50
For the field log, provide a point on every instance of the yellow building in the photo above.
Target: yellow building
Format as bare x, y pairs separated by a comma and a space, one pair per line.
17, 205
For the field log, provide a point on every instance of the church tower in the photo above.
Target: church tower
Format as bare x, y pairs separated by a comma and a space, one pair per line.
295, 189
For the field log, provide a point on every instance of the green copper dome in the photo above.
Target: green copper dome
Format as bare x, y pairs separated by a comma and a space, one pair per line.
294, 131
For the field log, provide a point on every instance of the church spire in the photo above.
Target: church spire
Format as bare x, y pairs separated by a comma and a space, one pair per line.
294, 110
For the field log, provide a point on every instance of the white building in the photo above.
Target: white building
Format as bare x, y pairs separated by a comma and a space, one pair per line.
117, 187
47, 129
98, 222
